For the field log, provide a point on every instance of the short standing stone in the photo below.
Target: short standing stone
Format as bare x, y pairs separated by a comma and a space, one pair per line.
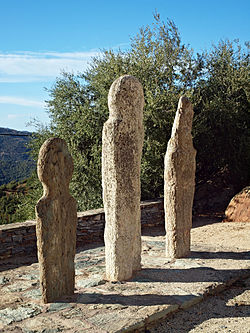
121, 158
179, 182
56, 215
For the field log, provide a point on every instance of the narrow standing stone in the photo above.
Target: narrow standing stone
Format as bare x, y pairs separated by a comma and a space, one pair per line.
179, 182
122, 143
56, 214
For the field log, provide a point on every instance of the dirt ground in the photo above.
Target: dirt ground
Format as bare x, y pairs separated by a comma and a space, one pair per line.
236, 237
227, 312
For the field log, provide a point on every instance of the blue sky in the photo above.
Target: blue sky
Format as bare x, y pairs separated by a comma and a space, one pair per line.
40, 38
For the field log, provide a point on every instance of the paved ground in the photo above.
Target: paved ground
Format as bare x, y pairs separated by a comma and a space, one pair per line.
220, 256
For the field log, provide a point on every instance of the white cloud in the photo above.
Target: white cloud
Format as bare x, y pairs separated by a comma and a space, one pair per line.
29, 66
21, 101
12, 116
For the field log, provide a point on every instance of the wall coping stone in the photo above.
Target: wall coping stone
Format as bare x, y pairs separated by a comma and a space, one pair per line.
29, 223
90, 212
17, 225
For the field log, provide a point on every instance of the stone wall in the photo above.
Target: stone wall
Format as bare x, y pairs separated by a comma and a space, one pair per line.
19, 239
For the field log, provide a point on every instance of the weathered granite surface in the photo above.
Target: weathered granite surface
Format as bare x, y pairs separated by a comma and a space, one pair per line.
56, 214
122, 143
179, 182
238, 209
219, 256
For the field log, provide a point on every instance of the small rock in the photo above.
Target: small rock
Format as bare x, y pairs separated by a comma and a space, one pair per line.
4, 280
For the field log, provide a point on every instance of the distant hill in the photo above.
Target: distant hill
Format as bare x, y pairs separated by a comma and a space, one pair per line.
15, 162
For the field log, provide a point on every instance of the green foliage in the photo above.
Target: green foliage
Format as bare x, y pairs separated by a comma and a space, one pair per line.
221, 124
25, 209
11, 196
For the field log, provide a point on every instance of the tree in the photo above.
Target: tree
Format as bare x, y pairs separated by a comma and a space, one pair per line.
221, 124
78, 107
216, 82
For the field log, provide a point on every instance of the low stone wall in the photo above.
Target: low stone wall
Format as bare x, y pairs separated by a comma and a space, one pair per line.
19, 239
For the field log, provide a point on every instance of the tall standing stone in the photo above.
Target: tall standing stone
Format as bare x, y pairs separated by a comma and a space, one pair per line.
179, 182
56, 214
122, 143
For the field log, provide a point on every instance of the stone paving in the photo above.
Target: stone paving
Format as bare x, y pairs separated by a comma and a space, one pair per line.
160, 288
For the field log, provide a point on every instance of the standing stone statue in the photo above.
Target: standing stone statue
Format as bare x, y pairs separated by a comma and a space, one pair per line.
179, 182
122, 143
56, 214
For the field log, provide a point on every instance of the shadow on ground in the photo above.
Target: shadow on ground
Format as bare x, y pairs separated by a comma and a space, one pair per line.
227, 306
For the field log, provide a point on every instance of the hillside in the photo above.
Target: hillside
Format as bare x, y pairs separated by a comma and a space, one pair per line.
15, 162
